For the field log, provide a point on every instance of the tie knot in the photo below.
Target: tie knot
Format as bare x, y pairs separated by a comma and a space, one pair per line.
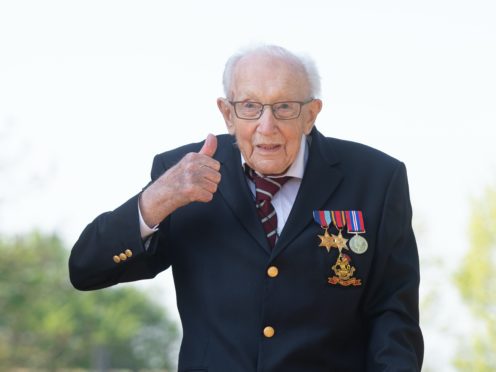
265, 187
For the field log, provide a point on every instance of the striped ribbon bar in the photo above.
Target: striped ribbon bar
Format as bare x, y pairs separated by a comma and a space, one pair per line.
323, 218
338, 219
355, 222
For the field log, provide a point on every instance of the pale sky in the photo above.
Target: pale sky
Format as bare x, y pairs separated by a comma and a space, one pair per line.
91, 91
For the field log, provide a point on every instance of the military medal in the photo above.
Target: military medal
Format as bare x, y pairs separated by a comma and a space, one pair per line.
358, 243
343, 271
339, 221
323, 218
342, 268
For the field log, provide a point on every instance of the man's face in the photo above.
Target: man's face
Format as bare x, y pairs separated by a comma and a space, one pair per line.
269, 145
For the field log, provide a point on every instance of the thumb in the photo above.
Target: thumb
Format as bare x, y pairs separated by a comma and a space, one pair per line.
210, 146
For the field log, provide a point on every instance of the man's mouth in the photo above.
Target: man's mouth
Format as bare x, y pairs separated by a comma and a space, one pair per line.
268, 147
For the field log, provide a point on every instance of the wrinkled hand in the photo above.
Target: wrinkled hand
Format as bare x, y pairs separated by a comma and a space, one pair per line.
194, 178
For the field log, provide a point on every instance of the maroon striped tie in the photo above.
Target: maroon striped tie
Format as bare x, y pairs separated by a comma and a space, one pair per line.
266, 188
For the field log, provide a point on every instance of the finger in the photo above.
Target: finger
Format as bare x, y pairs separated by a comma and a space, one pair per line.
209, 186
210, 146
205, 196
211, 174
210, 163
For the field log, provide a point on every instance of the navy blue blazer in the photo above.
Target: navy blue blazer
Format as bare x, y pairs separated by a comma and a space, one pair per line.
231, 286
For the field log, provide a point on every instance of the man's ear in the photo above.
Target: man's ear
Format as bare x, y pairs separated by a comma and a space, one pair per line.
226, 110
314, 108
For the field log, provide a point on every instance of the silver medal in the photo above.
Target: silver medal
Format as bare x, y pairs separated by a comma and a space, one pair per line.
358, 244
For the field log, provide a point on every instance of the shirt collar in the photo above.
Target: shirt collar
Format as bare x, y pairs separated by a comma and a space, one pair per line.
296, 169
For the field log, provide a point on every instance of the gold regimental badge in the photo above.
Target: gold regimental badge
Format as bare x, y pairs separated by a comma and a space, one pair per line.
344, 272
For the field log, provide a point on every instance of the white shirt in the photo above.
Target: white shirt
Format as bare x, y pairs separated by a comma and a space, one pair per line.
282, 201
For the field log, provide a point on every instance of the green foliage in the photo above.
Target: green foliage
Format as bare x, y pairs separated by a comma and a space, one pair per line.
476, 280
46, 324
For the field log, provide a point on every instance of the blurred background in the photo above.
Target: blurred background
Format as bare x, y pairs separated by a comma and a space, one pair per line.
91, 91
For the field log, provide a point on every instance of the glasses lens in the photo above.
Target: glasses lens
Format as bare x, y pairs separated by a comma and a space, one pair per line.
248, 110
286, 110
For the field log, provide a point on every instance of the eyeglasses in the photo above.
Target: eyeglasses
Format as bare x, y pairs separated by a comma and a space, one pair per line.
249, 110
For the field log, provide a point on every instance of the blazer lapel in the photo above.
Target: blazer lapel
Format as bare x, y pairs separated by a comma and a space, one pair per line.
235, 191
320, 180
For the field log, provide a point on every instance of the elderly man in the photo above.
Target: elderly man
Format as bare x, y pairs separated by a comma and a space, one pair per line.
290, 251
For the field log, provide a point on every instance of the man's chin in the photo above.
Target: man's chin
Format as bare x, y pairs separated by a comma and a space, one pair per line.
268, 169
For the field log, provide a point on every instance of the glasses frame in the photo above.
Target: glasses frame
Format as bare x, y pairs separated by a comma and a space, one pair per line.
271, 105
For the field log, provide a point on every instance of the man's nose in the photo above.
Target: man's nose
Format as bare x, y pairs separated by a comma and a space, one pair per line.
267, 122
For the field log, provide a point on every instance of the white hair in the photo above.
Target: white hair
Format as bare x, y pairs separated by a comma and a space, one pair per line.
304, 62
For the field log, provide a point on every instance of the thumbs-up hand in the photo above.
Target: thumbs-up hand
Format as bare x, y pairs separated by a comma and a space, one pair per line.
209, 146
193, 179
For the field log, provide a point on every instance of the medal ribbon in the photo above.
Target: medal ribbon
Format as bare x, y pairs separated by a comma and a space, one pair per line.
355, 222
323, 218
338, 219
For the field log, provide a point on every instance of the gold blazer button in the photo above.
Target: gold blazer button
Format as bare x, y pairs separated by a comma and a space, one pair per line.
272, 271
269, 332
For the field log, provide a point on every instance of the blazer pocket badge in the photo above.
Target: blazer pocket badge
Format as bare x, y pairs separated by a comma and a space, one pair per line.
342, 269
343, 272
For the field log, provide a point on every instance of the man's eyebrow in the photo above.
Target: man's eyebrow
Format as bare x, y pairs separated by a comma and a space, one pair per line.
247, 96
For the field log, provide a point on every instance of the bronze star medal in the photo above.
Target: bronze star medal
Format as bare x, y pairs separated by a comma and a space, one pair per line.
323, 219
338, 220
340, 241
328, 241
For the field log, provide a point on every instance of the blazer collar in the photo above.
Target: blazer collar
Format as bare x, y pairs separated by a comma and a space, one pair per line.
234, 189
320, 179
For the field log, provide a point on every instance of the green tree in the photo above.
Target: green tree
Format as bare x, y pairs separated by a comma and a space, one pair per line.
476, 280
46, 324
